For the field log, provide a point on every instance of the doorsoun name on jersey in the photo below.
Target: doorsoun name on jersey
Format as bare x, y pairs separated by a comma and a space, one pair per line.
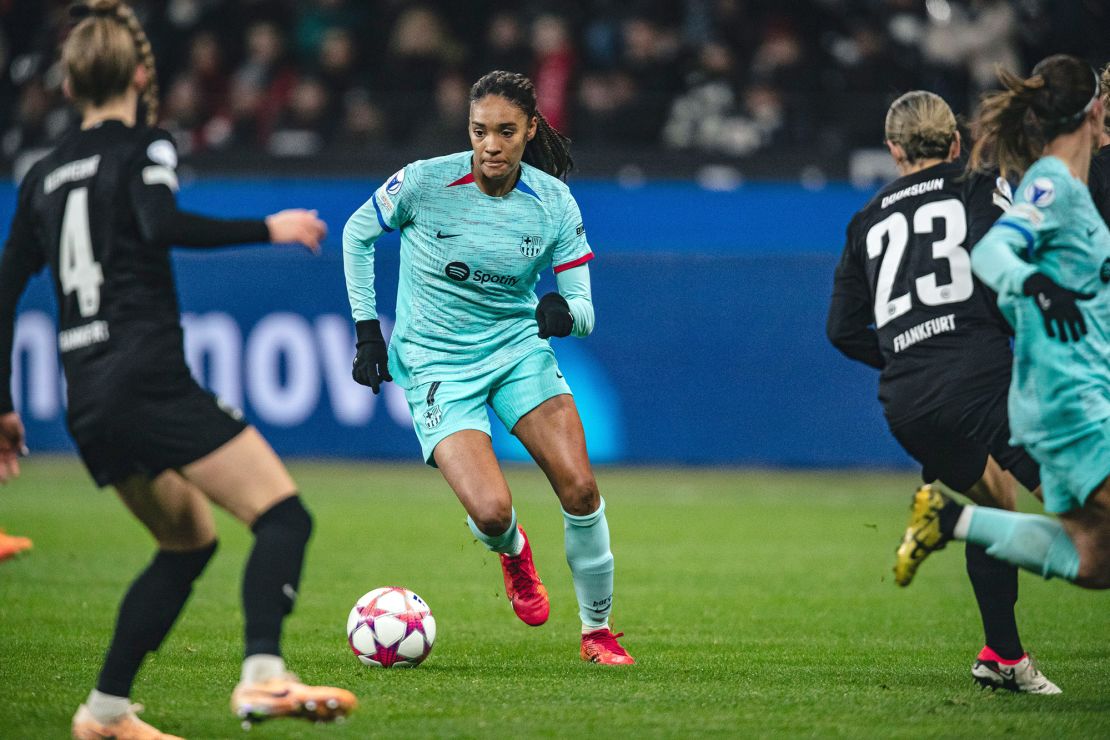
918, 188
924, 330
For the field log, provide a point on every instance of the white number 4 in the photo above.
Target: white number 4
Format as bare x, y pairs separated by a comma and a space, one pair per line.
78, 270
950, 248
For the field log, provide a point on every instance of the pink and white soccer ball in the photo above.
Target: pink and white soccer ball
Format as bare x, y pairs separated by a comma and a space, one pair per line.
391, 626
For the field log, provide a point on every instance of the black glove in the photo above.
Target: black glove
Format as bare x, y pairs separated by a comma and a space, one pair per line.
553, 316
1057, 305
371, 365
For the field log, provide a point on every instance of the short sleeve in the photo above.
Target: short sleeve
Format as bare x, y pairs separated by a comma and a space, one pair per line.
571, 247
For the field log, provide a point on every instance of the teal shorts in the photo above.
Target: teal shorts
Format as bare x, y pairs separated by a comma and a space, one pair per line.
1071, 472
439, 409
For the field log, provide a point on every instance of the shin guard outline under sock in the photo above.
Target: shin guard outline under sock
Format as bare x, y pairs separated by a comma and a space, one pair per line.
591, 565
147, 613
273, 573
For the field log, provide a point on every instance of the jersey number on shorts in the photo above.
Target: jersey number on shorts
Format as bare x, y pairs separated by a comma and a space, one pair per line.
78, 269
894, 229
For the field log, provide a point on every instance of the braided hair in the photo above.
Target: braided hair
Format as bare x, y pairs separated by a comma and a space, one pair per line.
548, 150
102, 51
1013, 126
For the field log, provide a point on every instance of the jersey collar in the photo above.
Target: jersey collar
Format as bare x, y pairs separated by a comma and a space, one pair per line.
522, 186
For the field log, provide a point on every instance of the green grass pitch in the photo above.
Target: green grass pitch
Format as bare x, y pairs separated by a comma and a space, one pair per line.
757, 603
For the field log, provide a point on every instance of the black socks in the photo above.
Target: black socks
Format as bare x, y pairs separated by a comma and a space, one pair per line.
147, 613
273, 573
996, 589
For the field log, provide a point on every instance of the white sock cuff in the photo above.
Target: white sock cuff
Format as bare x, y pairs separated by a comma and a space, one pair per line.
586, 520
107, 708
963, 524
262, 667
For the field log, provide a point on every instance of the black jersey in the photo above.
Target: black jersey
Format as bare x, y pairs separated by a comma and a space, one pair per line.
1099, 182
101, 211
905, 299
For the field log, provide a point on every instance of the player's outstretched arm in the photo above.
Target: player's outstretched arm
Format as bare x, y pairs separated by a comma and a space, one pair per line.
297, 226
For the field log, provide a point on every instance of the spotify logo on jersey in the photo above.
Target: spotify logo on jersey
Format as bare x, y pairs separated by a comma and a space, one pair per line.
457, 271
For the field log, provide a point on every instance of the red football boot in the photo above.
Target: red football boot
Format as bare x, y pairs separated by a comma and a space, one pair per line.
523, 586
601, 646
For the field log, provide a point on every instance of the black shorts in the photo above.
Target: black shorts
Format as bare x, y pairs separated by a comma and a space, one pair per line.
953, 441
148, 433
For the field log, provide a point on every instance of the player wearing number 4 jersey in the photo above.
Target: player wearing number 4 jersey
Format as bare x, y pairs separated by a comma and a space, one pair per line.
477, 228
101, 212
905, 302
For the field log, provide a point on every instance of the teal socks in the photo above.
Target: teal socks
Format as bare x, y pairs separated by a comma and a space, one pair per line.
591, 565
1037, 543
509, 542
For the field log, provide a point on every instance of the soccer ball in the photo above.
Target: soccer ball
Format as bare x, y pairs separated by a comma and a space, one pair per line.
391, 627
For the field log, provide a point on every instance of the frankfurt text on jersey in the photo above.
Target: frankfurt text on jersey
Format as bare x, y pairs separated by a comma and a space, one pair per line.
924, 330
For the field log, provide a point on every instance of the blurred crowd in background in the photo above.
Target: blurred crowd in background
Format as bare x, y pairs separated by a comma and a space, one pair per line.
724, 79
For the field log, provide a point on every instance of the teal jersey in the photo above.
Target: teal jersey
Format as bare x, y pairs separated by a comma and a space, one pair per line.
1060, 391
470, 262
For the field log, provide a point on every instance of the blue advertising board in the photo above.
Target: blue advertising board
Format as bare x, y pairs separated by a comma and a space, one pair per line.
709, 346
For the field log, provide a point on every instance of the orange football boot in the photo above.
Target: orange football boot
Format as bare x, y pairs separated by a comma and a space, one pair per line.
128, 727
11, 545
288, 697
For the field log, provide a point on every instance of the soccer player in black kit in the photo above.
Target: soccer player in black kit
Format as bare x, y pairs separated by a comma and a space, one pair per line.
905, 302
100, 211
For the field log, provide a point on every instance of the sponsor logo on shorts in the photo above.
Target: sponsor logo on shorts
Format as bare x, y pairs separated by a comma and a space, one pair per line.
530, 246
433, 416
457, 271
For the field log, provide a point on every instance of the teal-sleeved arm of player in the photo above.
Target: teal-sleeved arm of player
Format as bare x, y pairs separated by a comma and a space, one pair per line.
574, 286
995, 258
362, 230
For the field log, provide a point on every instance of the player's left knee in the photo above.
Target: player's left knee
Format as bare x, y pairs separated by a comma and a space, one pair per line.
289, 516
580, 496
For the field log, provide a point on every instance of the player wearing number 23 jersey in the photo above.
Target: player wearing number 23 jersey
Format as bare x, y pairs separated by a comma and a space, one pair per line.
905, 301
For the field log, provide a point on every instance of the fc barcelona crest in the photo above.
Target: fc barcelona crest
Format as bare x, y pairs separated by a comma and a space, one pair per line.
433, 416
530, 246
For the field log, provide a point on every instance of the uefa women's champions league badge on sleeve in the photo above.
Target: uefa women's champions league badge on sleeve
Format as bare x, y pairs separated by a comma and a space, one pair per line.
1041, 192
530, 246
393, 185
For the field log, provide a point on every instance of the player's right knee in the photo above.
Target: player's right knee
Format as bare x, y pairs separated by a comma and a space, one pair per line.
493, 519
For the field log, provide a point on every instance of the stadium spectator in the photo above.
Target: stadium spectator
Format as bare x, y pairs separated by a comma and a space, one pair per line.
555, 65
823, 64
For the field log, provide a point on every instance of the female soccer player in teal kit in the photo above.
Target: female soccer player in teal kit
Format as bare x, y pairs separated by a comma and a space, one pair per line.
477, 228
1048, 259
